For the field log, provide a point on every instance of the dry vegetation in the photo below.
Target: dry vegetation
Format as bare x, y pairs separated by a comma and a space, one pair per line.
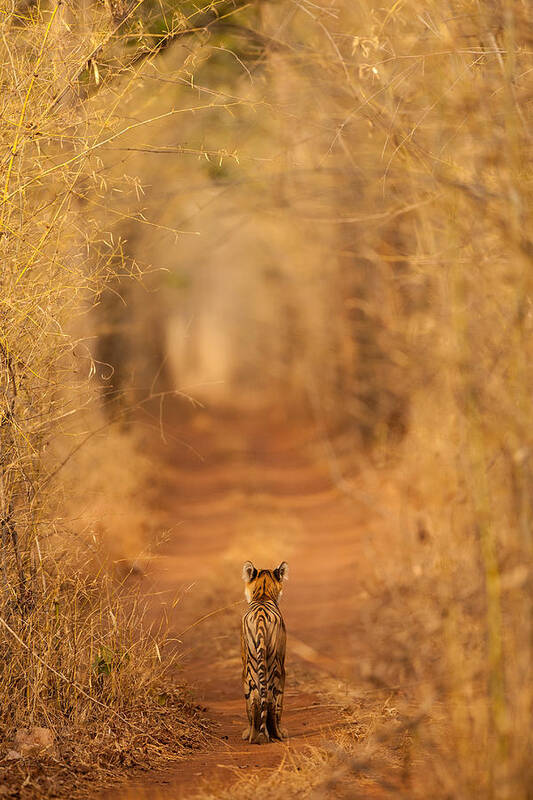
77, 657
361, 177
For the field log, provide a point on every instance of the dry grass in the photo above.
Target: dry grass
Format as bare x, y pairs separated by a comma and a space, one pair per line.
77, 656
298, 774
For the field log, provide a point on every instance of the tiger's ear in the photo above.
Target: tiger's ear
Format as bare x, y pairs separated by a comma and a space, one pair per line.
248, 572
282, 572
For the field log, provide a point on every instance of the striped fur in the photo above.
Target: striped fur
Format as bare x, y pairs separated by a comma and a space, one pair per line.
263, 640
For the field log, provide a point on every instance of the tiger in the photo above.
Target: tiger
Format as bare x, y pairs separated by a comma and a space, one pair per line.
263, 641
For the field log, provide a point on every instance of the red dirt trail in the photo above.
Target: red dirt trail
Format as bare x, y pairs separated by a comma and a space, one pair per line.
229, 490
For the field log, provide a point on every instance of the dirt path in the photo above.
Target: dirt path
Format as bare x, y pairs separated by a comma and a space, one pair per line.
232, 490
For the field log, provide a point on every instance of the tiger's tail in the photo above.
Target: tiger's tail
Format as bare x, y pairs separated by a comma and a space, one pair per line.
263, 690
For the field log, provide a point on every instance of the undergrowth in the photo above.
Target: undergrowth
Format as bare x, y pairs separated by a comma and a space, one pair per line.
77, 655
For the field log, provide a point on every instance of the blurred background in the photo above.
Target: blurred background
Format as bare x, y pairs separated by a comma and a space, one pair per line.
275, 285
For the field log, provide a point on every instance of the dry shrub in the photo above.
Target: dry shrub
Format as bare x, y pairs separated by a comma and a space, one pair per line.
76, 654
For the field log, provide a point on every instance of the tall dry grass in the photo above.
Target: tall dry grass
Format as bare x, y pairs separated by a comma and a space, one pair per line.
453, 289
77, 654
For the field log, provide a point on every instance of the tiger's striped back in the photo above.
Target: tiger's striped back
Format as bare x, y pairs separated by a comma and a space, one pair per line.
263, 640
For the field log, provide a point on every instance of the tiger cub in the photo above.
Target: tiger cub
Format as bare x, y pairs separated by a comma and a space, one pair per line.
263, 640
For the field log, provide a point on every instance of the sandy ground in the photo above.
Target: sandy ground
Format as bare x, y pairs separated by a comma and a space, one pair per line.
228, 490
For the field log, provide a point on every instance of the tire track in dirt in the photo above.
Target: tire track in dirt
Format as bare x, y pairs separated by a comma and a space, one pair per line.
243, 489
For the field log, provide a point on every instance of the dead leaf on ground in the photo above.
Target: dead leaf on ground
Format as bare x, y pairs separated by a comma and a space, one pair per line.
32, 741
